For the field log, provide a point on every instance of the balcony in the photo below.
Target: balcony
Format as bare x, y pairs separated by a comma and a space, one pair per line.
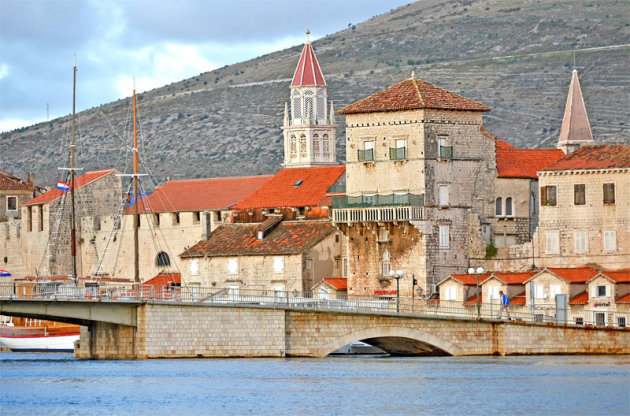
446, 152
397, 153
377, 208
365, 155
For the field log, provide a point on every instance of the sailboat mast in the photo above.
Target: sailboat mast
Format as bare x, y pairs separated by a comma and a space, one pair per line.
136, 262
73, 241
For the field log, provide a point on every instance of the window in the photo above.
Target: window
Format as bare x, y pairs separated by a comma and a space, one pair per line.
579, 194
444, 151
367, 154
293, 145
443, 195
600, 318
315, 145
41, 218
383, 235
609, 193
196, 217
621, 321
232, 266
451, 293
325, 145
11, 203
398, 152
554, 290
499, 207
162, 260
552, 245
610, 240
194, 267
369, 199
493, 292
386, 266
548, 196
175, 218
156, 219
29, 218
278, 264
297, 106
321, 107
581, 245
444, 236
303, 146
579, 320
508, 206
540, 291
309, 114
601, 291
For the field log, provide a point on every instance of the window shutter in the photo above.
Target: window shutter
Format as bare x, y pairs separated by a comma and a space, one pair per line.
607, 291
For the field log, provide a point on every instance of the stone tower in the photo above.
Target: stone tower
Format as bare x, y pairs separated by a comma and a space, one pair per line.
309, 124
576, 130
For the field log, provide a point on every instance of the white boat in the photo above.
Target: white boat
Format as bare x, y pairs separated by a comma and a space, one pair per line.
36, 335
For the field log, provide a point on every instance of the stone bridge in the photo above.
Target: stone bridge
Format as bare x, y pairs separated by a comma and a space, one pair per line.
137, 330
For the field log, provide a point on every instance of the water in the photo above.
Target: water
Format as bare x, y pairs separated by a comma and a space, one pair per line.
57, 384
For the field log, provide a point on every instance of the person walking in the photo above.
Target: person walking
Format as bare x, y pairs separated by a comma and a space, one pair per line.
505, 303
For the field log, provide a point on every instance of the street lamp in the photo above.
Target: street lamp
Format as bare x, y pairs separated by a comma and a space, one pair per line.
397, 275
477, 273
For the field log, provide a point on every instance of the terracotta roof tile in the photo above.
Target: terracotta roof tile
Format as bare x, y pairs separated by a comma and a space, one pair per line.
241, 240
78, 183
514, 278
200, 194
339, 283
9, 182
519, 299
308, 72
524, 163
412, 94
579, 299
163, 279
623, 299
473, 300
281, 190
618, 276
601, 156
574, 274
468, 279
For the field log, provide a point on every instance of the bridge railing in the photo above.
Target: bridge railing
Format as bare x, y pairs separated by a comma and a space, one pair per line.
239, 296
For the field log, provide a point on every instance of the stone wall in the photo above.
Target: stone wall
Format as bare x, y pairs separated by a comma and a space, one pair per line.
11, 258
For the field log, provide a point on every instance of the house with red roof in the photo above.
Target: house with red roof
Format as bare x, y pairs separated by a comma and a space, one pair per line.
606, 300
585, 208
174, 217
274, 255
331, 288
460, 288
45, 226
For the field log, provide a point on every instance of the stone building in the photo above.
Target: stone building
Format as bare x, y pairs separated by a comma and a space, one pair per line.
585, 209
45, 226
417, 166
274, 255
173, 218
331, 288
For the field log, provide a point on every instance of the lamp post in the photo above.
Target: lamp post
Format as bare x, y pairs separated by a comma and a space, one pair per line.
397, 275
477, 273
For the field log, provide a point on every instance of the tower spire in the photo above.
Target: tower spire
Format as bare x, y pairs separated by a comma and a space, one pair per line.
576, 129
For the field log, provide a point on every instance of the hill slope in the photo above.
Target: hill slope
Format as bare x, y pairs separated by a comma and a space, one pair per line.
513, 57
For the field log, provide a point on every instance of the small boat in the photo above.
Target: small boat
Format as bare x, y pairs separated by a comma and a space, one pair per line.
25, 334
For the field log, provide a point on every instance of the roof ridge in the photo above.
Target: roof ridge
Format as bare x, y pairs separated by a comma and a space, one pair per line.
414, 81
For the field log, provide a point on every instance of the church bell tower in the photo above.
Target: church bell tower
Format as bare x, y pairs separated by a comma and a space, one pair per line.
309, 119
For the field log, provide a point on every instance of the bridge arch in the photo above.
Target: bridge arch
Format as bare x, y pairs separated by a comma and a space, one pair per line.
394, 340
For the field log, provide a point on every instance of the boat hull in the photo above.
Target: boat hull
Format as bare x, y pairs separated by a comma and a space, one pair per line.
44, 343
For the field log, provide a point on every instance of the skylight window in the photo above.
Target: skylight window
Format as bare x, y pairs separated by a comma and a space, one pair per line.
298, 183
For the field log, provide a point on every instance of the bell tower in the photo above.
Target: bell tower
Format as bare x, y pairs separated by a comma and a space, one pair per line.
309, 119
575, 130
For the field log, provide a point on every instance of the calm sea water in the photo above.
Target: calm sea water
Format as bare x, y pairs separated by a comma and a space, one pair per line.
57, 384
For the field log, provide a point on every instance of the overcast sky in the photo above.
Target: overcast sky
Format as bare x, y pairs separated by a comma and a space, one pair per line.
157, 41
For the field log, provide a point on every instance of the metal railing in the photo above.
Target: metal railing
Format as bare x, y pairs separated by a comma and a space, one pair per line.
365, 155
397, 153
446, 152
378, 200
237, 296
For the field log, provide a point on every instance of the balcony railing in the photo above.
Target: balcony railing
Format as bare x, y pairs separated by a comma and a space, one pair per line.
446, 152
370, 201
397, 153
365, 155
379, 208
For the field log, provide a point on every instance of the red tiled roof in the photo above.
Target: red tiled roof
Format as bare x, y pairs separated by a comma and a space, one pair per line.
468, 279
163, 279
524, 163
575, 274
473, 300
339, 283
200, 194
241, 240
513, 278
618, 276
601, 156
9, 182
78, 183
280, 191
412, 94
308, 71
579, 299
623, 299
519, 299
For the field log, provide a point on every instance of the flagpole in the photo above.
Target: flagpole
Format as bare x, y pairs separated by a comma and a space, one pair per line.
136, 261
73, 241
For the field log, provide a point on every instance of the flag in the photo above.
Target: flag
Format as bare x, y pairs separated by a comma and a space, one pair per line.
4, 273
63, 186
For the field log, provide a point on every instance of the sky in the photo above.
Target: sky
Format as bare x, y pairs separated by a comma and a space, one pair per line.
155, 41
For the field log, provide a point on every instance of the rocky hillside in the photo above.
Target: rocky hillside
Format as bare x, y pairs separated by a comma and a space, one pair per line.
515, 57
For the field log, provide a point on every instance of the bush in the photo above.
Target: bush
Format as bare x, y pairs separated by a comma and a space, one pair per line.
491, 251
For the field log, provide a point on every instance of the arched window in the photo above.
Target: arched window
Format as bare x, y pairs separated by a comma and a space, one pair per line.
499, 207
321, 107
309, 114
315, 145
162, 259
325, 145
297, 105
508, 206
303, 146
386, 266
293, 145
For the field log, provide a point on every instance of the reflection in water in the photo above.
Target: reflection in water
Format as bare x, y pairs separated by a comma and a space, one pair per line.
43, 384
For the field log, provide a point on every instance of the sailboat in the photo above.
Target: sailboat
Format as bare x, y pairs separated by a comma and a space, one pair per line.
26, 334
